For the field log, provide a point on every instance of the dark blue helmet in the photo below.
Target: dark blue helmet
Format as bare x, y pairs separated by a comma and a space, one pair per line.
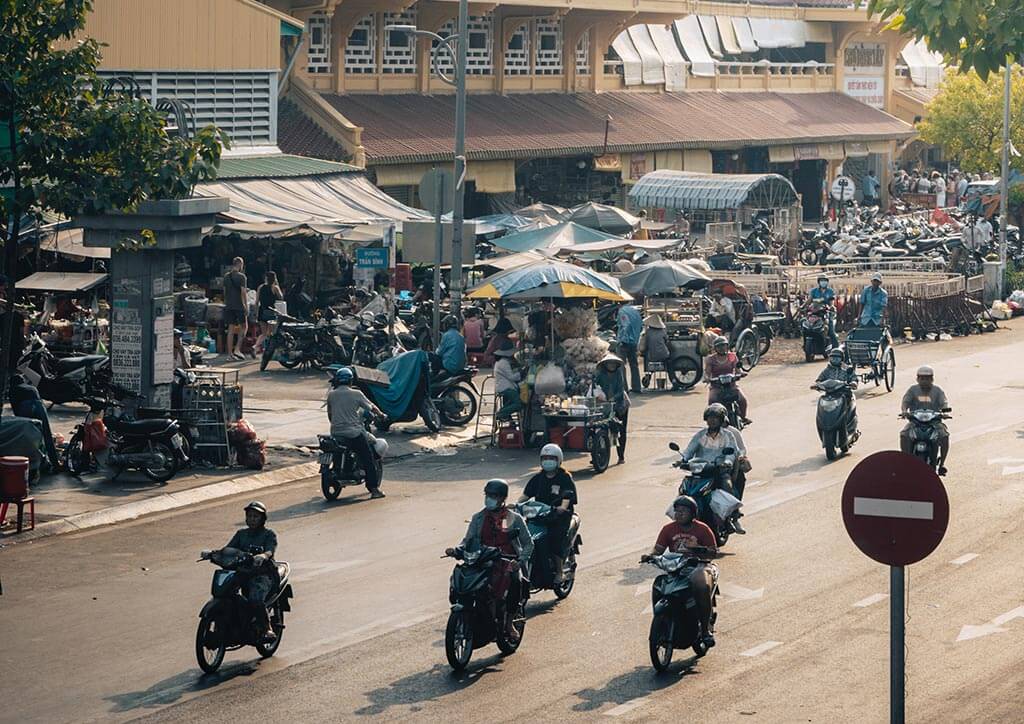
344, 376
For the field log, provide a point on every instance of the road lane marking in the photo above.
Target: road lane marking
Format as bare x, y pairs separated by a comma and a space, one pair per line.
756, 483
309, 571
761, 648
733, 592
1014, 470
966, 558
970, 631
871, 600
887, 508
1009, 616
627, 707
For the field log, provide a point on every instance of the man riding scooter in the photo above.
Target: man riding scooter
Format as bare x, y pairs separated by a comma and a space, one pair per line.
346, 407
724, 362
823, 294
554, 486
925, 395
259, 540
709, 444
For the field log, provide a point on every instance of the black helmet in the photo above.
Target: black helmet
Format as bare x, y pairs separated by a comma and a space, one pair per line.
449, 322
836, 353
496, 487
685, 501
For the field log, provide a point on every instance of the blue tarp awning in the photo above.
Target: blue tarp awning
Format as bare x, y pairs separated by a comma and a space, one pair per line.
684, 190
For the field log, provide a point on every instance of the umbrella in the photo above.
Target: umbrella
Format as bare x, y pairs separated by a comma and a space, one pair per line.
564, 234
662, 276
609, 219
539, 209
549, 280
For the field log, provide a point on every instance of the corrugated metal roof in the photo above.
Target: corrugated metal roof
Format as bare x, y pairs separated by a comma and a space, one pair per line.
298, 135
415, 128
67, 282
279, 166
711, 191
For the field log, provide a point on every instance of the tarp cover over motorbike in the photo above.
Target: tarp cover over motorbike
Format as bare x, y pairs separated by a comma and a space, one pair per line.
405, 371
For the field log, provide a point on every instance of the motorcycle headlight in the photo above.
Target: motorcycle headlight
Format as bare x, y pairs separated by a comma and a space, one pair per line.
829, 404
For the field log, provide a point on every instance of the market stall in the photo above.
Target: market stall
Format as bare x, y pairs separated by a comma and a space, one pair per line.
71, 310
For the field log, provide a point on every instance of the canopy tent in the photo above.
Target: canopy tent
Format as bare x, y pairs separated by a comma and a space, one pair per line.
325, 205
61, 282
566, 233
651, 64
509, 261
609, 219
69, 242
549, 280
661, 277
632, 65
692, 39
684, 190
726, 31
926, 67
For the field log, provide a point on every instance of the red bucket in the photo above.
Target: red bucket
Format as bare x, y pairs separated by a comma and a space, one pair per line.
13, 477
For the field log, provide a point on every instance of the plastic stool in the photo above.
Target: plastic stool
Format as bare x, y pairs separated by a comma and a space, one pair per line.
20, 503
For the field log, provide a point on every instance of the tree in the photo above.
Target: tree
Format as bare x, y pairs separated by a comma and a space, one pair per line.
966, 119
974, 34
68, 144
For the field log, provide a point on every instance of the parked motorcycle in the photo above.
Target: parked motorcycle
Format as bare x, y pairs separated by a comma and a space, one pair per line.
476, 619
408, 394
373, 342
67, 379
340, 467
227, 621
676, 622
836, 417
538, 516
924, 433
730, 397
292, 344
814, 331
701, 483
154, 446
455, 397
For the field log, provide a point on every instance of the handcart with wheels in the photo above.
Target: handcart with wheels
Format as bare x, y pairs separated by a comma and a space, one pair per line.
870, 348
584, 425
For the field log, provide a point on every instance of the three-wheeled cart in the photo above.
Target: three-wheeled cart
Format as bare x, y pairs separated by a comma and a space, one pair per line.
684, 323
870, 349
585, 425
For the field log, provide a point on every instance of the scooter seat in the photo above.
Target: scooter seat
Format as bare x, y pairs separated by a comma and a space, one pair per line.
70, 364
142, 427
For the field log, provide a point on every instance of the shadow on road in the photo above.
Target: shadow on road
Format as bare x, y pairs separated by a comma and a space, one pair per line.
174, 688
806, 465
641, 681
425, 686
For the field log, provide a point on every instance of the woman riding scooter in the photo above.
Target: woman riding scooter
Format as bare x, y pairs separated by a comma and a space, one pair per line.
724, 362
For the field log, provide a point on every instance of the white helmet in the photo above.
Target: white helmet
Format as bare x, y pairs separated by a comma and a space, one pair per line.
552, 451
381, 446
925, 371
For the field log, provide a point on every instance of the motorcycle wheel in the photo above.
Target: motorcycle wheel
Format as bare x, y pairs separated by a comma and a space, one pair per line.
170, 467
268, 354
461, 397
76, 460
380, 470
266, 650
601, 450
431, 417
660, 641
289, 364
831, 445
330, 487
508, 646
721, 537
563, 589
684, 373
808, 350
209, 659
764, 344
747, 349
458, 640
808, 257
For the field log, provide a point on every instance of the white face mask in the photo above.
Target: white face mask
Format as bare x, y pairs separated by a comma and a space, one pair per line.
490, 503
549, 466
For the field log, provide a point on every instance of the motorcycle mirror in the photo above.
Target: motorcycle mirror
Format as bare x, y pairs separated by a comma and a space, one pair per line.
947, 409
673, 446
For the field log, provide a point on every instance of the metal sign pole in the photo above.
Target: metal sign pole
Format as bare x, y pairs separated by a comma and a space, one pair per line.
438, 256
897, 695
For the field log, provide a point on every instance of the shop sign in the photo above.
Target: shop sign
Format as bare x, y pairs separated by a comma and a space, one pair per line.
806, 152
608, 162
372, 258
864, 73
869, 91
637, 165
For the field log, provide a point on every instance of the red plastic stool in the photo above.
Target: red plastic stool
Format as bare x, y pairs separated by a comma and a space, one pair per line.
30, 501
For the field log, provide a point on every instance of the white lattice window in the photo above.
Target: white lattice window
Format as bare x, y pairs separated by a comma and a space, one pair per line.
517, 54
478, 51
583, 55
399, 48
548, 60
360, 51
318, 55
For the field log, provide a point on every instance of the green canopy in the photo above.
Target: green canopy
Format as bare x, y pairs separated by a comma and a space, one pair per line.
551, 238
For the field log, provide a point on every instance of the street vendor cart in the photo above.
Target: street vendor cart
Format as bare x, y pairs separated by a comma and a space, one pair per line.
870, 349
581, 424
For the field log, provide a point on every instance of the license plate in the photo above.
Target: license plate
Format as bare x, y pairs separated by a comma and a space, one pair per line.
326, 458
178, 441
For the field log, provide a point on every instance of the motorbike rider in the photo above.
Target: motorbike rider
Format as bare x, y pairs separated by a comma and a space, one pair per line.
709, 443
610, 379
499, 526
837, 369
685, 532
825, 295
260, 541
925, 395
724, 362
742, 465
451, 349
345, 409
554, 486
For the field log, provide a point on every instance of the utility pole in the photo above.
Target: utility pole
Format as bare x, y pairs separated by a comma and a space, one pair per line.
1004, 183
459, 207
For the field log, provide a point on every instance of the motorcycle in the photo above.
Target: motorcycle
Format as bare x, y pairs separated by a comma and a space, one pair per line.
155, 446
455, 397
397, 405
814, 331
701, 483
340, 467
537, 516
924, 433
293, 343
68, 379
730, 396
226, 622
676, 622
474, 618
373, 343
836, 417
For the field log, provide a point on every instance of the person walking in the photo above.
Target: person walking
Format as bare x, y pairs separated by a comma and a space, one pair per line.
236, 315
630, 326
873, 301
870, 185
267, 295
610, 378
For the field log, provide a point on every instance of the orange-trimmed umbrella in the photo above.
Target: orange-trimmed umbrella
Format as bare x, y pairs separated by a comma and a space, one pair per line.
549, 280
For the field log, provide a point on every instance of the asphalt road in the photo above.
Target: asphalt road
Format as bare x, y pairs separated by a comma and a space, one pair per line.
100, 625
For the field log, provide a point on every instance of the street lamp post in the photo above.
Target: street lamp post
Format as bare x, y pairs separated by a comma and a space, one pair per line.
458, 52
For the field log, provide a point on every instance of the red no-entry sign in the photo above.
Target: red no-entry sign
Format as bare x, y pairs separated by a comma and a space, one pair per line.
895, 508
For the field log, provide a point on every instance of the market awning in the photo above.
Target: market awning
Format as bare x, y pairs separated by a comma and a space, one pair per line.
926, 67
565, 234
652, 66
744, 35
549, 279
632, 66
691, 37
671, 56
63, 282
709, 27
599, 246
684, 190
69, 243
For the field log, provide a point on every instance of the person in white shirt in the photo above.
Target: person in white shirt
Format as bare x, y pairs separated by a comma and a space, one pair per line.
939, 189
977, 234
506, 382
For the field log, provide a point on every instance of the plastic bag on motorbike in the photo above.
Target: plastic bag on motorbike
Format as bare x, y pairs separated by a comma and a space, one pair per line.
550, 380
724, 504
94, 436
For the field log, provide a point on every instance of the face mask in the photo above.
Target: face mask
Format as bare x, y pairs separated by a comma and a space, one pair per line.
549, 466
822, 284
490, 503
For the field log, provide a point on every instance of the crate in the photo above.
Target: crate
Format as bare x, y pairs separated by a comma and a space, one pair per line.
510, 438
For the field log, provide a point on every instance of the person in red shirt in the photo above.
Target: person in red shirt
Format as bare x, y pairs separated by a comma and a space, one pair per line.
724, 362
684, 533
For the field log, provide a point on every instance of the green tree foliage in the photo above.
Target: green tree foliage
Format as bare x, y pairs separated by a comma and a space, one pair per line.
81, 149
974, 34
966, 119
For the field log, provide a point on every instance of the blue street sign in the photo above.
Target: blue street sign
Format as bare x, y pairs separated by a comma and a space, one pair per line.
371, 258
